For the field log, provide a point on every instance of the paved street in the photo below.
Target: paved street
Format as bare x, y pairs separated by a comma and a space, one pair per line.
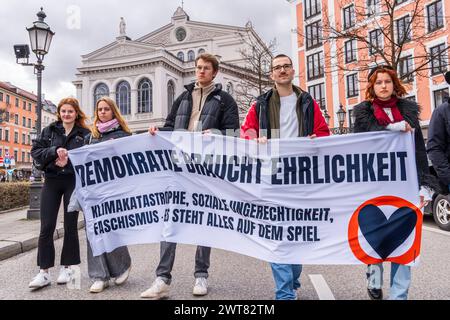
234, 276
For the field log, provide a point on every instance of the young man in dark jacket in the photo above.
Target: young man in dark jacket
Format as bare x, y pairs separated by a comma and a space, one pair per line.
203, 106
286, 111
438, 146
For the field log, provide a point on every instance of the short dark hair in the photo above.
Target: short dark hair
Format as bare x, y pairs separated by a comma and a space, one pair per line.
209, 58
281, 55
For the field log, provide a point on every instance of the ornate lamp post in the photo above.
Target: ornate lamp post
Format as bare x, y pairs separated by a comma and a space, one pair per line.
341, 118
327, 117
40, 38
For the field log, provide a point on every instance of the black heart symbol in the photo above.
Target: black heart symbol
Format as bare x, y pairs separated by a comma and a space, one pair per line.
386, 235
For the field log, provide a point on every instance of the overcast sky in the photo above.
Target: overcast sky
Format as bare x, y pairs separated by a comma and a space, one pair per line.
83, 26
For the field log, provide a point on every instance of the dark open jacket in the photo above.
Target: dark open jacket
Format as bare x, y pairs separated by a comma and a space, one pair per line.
219, 112
53, 137
365, 121
438, 144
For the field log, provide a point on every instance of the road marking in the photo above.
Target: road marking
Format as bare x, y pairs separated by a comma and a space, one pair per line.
321, 286
445, 233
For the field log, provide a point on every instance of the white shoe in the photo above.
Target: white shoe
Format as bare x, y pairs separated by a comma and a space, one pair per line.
200, 287
158, 290
65, 275
42, 279
123, 277
99, 286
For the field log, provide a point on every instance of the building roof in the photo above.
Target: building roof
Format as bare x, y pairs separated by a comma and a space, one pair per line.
18, 91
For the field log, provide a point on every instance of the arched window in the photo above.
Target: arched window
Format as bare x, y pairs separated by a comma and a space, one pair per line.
180, 55
170, 94
229, 88
123, 97
200, 51
145, 96
191, 55
100, 90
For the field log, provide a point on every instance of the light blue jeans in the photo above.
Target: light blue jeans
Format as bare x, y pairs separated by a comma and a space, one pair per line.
400, 279
287, 280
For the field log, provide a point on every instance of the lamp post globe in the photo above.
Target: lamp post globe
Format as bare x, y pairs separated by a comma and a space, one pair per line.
341, 117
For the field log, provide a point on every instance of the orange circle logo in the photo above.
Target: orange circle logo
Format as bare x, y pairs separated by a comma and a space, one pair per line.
384, 236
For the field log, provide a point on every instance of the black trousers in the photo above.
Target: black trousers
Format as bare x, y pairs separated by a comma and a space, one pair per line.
52, 192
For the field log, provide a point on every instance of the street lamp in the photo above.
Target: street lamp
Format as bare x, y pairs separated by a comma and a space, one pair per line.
341, 118
327, 117
40, 38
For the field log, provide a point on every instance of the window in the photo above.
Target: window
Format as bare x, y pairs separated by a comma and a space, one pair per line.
313, 38
7, 117
16, 137
191, 55
170, 94
350, 51
101, 90
315, 66
1, 96
28, 157
318, 93
29, 123
349, 17
6, 135
24, 122
29, 139
312, 8
17, 102
1, 133
435, 16
24, 105
438, 59
29, 106
23, 156
405, 68
123, 97
352, 85
15, 155
397, 2
403, 29
23, 139
201, 51
7, 99
145, 96
180, 55
375, 39
440, 96
16, 119
372, 7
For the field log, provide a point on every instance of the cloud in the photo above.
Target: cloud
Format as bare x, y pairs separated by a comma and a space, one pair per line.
83, 26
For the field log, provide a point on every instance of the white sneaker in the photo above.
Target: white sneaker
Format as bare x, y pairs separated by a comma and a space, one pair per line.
123, 277
200, 287
42, 279
99, 286
158, 290
65, 275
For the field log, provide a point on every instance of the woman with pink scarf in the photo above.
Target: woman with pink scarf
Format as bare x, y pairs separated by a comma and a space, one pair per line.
108, 124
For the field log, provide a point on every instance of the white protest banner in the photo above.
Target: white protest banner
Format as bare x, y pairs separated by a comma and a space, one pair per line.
334, 200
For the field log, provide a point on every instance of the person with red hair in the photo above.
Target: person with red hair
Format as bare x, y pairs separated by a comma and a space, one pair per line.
384, 109
50, 154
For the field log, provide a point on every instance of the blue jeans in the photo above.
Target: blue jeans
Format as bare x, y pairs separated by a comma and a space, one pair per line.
286, 278
400, 279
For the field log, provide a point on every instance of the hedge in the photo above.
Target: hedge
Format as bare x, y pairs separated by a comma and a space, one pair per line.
14, 195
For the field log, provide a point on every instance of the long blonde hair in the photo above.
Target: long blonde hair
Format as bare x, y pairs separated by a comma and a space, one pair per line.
116, 115
81, 117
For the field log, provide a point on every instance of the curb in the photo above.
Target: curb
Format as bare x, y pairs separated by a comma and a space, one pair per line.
14, 209
27, 242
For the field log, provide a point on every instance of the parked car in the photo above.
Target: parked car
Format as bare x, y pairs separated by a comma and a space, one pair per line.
439, 207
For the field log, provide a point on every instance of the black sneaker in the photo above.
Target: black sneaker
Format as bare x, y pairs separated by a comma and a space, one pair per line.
375, 294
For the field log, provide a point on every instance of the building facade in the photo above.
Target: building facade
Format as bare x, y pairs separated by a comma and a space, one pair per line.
144, 76
17, 118
334, 66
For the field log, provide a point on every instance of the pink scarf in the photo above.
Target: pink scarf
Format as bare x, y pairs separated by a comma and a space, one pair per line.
106, 126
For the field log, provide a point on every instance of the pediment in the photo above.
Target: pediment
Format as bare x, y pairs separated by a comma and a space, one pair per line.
120, 50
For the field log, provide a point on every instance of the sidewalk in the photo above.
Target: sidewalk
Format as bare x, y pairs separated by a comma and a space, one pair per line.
18, 235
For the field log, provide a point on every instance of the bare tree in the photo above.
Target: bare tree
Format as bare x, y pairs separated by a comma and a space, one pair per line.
257, 57
380, 31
